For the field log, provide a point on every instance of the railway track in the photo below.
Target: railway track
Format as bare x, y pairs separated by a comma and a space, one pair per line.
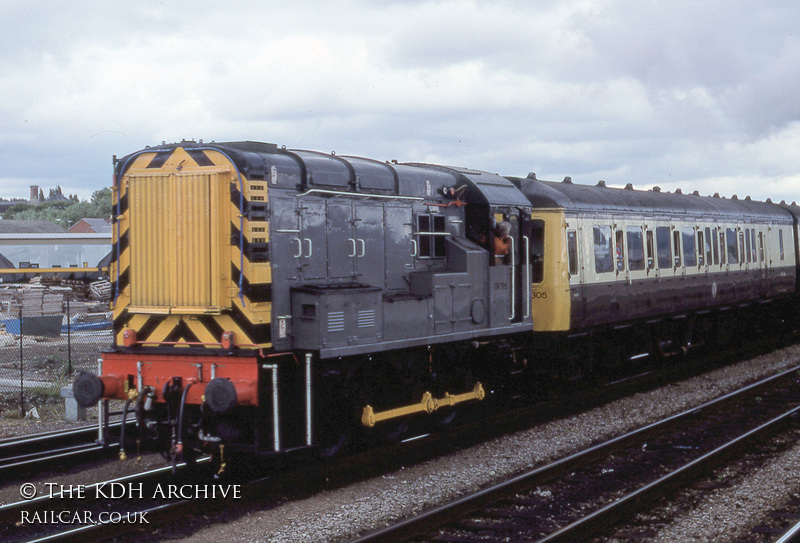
166, 513
21, 456
582, 495
106, 509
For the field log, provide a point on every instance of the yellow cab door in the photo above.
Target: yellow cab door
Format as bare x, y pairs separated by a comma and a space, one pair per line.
549, 274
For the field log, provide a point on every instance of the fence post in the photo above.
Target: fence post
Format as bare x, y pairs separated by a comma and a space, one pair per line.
21, 370
69, 338
102, 411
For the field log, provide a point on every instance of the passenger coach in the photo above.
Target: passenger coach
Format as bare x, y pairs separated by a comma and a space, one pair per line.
625, 256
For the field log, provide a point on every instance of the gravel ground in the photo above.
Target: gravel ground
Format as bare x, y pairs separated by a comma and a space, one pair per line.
339, 515
728, 514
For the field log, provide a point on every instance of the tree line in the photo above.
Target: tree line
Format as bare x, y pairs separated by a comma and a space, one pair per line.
63, 211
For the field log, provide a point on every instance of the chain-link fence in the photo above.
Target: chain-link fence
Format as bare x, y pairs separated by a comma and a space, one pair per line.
46, 338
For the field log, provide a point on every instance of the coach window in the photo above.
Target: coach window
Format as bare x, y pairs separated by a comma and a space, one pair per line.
663, 246
572, 252
753, 251
761, 246
701, 259
709, 253
713, 244
742, 251
676, 247
733, 248
620, 250
689, 251
603, 249
651, 261
722, 251
780, 243
635, 249
747, 249
431, 233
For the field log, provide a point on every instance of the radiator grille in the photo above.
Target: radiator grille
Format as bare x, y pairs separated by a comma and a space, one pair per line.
176, 242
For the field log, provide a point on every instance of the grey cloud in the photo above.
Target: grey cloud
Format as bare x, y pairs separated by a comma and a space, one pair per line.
643, 92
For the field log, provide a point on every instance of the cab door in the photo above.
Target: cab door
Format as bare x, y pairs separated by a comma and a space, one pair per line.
399, 247
550, 291
531, 257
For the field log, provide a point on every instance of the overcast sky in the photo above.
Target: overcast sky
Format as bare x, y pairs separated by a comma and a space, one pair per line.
680, 94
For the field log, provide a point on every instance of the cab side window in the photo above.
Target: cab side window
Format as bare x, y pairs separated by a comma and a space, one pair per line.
431, 233
537, 251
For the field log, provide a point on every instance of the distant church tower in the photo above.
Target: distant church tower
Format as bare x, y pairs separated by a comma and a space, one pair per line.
34, 194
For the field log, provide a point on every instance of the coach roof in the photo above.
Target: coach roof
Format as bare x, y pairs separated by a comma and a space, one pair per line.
601, 199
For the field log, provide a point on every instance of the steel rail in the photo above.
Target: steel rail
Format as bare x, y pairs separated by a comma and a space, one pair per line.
55, 435
628, 504
792, 535
10, 514
41, 450
14, 441
22, 460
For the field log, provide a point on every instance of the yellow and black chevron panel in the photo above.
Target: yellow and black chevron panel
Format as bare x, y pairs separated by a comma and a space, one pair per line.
191, 250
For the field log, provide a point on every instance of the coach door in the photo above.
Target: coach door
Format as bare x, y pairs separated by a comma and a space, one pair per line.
577, 273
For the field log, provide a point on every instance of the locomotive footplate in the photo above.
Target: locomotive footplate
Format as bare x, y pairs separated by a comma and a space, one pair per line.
428, 404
